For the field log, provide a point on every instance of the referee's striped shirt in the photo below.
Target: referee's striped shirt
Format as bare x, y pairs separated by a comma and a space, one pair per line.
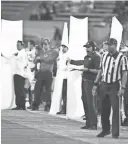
112, 66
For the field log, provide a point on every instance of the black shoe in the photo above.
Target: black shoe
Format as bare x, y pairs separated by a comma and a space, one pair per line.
125, 122
35, 108
102, 134
115, 137
85, 127
84, 118
30, 107
23, 108
61, 112
18, 108
93, 127
47, 109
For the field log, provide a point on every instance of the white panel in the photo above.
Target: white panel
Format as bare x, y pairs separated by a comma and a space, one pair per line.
11, 32
57, 93
77, 38
116, 31
65, 35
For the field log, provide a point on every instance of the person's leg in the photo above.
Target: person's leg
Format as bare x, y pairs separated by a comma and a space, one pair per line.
91, 104
105, 108
27, 88
31, 91
64, 95
84, 99
115, 107
16, 88
22, 91
105, 113
19, 82
37, 90
48, 83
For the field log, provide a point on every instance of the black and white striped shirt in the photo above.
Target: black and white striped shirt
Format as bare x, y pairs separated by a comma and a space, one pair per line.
112, 66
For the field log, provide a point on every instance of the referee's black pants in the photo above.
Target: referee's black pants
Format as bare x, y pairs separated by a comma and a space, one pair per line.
19, 82
109, 98
88, 103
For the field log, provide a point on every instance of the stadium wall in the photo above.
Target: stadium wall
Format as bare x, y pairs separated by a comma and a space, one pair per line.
37, 30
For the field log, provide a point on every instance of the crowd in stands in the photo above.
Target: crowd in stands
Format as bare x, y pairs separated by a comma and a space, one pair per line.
47, 10
122, 10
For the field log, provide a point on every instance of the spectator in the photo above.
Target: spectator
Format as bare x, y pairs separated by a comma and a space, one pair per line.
45, 14
34, 15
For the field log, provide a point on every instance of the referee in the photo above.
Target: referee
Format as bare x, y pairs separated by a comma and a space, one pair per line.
114, 66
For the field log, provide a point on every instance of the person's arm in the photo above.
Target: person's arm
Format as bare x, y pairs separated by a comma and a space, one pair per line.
77, 62
96, 82
25, 60
9, 57
96, 62
124, 79
124, 69
98, 77
37, 57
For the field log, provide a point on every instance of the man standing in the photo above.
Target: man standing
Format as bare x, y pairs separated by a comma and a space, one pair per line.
46, 57
114, 68
30, 82
60, 88
91, 64
19, 76
125, 122
63, 68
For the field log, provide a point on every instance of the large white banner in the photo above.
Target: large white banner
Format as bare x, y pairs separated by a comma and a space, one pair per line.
77, 38
58, 85
11, 33
116, 31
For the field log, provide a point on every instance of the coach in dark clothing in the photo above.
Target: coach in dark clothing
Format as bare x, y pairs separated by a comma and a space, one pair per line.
114, 68
91, 64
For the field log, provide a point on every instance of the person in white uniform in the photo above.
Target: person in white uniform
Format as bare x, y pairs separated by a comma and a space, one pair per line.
30, 80
60, 87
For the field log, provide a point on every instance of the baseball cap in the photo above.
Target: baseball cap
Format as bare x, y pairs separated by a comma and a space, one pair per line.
90, 44
112, 41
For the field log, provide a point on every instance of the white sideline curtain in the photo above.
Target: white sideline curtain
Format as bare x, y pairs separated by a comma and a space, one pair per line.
58, 85
116, 31
11, 32
77, 38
